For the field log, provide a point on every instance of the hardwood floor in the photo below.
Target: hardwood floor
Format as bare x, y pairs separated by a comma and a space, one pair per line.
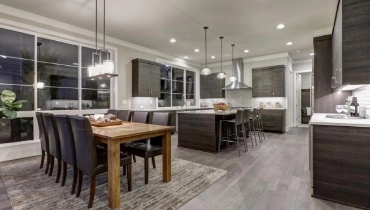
273, 175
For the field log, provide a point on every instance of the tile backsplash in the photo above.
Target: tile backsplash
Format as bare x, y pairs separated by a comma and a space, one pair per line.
143, 103
240, 98
273, 100
363, 95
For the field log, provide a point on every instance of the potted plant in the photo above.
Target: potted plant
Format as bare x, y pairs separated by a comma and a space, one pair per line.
8, 111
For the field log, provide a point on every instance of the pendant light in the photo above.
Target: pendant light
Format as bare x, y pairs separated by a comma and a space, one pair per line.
92, 69
222, 74
206, 70
232, 78
40, 85
108, 64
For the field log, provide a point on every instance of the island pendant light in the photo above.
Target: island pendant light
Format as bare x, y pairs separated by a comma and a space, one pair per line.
222, 74
232, 78
206, 70
108, 64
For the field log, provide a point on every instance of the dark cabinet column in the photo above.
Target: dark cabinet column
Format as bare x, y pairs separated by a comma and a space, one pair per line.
211, 86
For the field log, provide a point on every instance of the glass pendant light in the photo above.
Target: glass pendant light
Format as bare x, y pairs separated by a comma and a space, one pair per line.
206, 70
108, 64
222, 74
232, 78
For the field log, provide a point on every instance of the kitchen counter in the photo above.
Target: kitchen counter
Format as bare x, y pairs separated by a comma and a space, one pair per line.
321, 119
210, 112
171, 109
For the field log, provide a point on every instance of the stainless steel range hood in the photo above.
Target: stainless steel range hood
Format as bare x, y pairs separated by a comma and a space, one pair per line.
238, 72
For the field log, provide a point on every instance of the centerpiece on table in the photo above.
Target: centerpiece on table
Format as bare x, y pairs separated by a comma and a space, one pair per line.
104, 120
220, 106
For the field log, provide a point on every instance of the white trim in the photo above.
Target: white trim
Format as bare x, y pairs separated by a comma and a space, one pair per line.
54, 23
309, 60
253, 59
295, 123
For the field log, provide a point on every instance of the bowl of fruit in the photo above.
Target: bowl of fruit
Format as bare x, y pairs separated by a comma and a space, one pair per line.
220, 106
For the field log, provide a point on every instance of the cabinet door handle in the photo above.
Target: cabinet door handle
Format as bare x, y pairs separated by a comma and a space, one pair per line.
273, 94
149, 91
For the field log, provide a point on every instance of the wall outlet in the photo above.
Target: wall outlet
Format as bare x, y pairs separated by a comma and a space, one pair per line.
124, 102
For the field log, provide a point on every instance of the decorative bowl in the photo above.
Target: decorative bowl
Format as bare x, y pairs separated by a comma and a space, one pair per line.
220, 107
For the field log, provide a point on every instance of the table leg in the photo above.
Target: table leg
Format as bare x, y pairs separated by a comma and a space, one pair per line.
114, 174
166, 156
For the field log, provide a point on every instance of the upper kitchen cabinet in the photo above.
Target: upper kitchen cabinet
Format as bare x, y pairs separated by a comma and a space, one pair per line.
146, 78
211, 86
268, 81
351, 44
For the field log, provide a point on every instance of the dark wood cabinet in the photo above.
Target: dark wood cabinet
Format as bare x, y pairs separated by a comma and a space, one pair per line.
211, 86
146, 78
351, 44
268, 81
273, 120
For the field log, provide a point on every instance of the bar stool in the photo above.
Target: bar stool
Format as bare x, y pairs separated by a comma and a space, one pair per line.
238, 126
247, 125
260, 123
255, 124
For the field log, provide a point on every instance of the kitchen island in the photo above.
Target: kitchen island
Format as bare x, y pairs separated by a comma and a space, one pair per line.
199, 129
340, 160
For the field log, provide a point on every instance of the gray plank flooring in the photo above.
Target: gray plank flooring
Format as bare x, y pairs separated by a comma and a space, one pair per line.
274, 175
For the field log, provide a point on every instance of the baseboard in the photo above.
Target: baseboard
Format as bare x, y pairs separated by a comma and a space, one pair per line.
18, 150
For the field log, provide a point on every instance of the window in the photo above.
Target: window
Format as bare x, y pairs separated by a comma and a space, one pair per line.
27, 60
177, 87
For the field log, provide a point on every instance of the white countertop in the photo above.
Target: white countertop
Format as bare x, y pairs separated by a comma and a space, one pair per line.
321, 119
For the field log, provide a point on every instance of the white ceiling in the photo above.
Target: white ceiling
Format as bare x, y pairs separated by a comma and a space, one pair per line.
250, 24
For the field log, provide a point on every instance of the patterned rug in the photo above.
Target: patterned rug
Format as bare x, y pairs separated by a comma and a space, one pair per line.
29, 188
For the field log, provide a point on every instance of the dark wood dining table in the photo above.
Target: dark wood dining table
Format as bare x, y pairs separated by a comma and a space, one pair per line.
113, 136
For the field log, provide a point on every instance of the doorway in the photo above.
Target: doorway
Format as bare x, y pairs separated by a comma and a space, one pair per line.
302, 96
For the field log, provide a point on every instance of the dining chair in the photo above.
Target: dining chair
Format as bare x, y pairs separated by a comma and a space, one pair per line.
112, 111
67, 146
124, 115
154, 148
54, 143
89, 162
44, 141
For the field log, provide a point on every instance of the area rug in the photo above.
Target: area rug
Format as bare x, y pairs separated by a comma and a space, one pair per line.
29, 188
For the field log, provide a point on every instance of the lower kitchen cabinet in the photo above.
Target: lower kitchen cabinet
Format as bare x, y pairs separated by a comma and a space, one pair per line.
273, 120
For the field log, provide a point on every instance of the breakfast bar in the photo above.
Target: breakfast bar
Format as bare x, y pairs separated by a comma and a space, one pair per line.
199, 129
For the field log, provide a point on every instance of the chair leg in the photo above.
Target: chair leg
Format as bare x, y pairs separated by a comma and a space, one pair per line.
244, 132
47, 163
124, 170
250, 133
74, 180
219, 135
134, 158
92, 191
153, 162
79, 185
146, 168
64, 176
129, 181
237, 137
59, 170
51, 165
42, 158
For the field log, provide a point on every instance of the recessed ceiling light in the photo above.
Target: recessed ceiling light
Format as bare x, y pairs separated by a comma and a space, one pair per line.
289, 43
280, 26
213, 57
298, 51
312, 54
3, 56
196, 50
172, 40
186, 57
246, 51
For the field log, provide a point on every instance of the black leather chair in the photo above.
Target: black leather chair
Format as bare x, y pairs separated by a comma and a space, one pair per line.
112, 111
124, 115
153, 149
88, 161
67, 146
43, 141
54, 143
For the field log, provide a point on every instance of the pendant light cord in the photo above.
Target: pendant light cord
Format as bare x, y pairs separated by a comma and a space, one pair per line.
205, 32
96, 26
232, 52
104, 27
221, 52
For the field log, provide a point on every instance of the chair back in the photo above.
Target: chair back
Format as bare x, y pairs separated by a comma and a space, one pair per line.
239, 117
160, 118
85, 145
140, 117
124, 115
112, 111
255, 114
247, 115
42, 132
67, 145
53, 136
